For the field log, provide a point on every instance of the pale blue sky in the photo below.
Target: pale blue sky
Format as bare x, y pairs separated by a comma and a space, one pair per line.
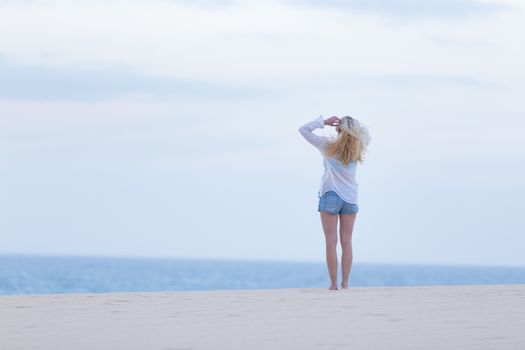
169, 128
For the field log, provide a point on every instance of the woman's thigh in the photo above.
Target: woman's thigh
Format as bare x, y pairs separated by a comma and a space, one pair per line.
346, 226
329, 222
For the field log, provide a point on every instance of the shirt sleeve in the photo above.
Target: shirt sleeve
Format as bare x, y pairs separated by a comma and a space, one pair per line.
307, 131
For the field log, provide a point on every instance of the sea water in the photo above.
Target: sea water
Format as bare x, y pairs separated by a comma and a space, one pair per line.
28, 274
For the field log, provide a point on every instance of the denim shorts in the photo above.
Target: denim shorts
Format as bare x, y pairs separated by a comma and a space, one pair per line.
331, 203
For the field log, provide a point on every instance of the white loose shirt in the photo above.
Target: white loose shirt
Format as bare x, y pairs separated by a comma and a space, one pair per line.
337, 177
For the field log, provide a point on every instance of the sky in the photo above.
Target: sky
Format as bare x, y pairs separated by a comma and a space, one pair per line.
169, 128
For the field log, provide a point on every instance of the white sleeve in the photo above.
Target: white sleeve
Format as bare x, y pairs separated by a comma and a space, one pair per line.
307, 131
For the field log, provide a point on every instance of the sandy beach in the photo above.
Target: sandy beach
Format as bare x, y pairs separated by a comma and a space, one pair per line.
435, 317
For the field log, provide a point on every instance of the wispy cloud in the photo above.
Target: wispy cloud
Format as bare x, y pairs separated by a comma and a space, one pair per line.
199, 3
427, 80
409, 8
207, 3
46, 83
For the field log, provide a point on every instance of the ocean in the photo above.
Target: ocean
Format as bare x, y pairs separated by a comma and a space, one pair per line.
31, 274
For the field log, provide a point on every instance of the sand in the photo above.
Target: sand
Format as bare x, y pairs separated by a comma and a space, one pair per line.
436, 317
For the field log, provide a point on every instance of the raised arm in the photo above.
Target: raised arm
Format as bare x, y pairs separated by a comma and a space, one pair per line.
307, 131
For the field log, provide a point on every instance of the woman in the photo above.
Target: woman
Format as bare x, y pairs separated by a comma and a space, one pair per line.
338, 191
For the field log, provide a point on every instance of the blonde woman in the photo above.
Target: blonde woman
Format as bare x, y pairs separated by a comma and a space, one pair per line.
338, 190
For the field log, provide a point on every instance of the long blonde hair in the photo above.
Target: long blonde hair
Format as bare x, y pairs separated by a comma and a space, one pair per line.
350, 144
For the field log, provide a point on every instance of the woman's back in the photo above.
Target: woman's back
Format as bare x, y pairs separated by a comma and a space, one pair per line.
337, 176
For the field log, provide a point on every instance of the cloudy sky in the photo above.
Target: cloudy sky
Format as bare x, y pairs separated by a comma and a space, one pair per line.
169, 128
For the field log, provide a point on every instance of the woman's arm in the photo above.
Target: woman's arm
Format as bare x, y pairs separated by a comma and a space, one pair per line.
307, 130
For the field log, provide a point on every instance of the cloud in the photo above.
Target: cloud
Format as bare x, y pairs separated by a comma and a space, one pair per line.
206, 3
409, 8
194, 3
427, 80
47, 83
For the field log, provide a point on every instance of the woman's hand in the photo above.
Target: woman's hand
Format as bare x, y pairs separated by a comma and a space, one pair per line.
332, 121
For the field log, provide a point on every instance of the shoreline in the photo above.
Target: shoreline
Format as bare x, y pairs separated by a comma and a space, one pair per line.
252, 290
401, 317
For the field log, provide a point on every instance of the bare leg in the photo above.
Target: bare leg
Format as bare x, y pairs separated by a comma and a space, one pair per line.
329, 222
346, 228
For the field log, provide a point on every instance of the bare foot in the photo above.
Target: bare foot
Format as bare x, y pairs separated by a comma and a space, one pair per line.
333, 287
344, 285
